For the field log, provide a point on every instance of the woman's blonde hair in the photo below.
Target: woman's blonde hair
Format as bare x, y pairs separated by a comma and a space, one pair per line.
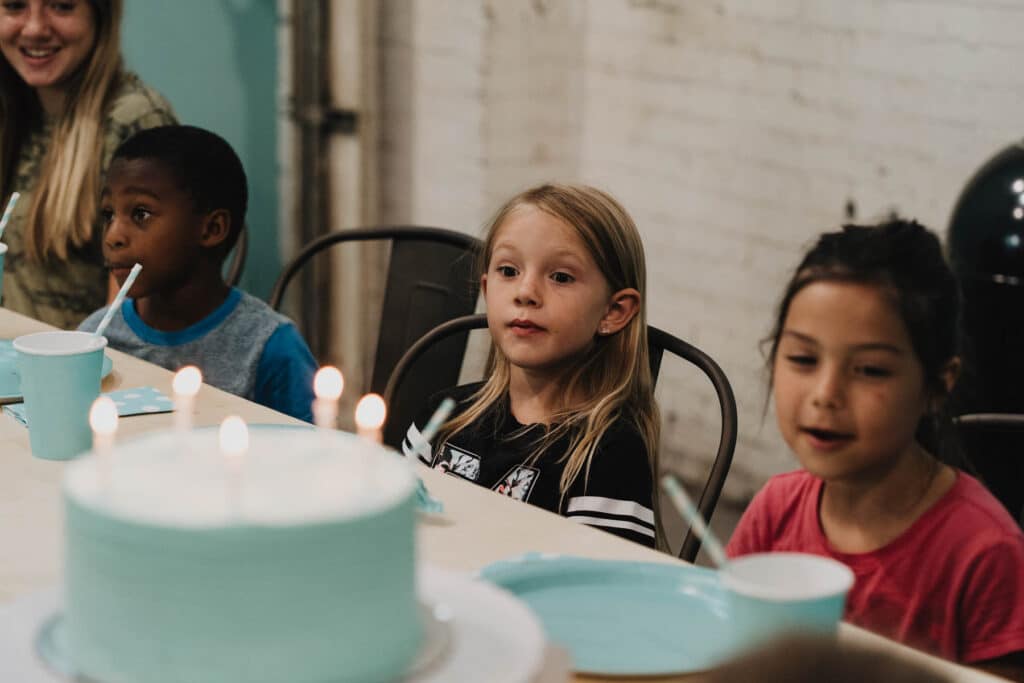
65, 202
614, 377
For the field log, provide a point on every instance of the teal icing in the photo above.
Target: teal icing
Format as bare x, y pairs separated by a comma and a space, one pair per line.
303, 602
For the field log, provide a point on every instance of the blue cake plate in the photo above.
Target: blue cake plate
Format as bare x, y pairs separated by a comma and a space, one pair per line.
623, 618
10, 380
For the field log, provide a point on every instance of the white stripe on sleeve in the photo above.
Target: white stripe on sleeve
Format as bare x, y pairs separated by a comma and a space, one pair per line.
617, 523
610, 506
422, 449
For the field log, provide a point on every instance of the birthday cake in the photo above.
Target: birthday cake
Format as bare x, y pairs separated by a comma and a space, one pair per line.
295, 565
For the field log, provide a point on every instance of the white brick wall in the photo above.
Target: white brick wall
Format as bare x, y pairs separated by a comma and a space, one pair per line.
734, 131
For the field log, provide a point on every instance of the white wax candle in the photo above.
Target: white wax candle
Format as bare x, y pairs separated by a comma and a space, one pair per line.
327, 386
234, 442
103, 421
185, 385
370, 416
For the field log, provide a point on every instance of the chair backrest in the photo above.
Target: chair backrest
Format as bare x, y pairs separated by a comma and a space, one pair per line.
659, 343
993, 444
430, 279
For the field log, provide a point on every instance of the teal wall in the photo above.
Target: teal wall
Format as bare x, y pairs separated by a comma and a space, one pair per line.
216, 61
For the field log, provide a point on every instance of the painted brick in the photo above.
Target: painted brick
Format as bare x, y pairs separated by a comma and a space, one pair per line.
733, 130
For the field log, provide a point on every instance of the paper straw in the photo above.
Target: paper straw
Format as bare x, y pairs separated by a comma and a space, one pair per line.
425, 501
102, 327
9, 210
685, 506
436, 420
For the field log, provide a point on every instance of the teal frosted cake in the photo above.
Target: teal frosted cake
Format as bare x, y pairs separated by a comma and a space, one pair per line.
300, 569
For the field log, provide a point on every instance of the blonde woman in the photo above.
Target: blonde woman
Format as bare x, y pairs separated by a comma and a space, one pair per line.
566, 419
66, 103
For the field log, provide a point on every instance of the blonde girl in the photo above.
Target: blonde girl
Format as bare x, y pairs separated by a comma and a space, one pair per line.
66, 103
566, 419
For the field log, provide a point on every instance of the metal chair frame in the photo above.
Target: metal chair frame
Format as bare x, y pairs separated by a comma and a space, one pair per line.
1001, 476
430, 278
659, 342
1008, 420
393, 233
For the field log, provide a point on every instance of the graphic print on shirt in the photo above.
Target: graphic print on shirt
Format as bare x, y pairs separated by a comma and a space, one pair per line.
456, 461
518, 482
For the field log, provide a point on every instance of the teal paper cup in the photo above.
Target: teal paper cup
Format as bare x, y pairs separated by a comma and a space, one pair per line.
60, 378
3, 253
772, 594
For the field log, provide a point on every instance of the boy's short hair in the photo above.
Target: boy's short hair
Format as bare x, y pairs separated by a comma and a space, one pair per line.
204, 165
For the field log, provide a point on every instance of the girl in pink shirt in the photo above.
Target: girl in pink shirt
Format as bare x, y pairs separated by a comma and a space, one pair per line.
864, 353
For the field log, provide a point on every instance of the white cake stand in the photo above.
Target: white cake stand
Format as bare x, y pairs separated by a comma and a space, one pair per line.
472, 628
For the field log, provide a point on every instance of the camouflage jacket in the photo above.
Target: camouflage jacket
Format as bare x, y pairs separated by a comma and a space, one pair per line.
63, 293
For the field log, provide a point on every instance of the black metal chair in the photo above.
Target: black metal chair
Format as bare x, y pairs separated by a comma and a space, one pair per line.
430, 278
659, 342
993, 444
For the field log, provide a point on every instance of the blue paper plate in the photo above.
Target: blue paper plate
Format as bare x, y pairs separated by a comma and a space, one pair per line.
623, 618
10, 380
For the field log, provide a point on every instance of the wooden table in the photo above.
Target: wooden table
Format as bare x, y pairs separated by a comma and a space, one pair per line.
478, 527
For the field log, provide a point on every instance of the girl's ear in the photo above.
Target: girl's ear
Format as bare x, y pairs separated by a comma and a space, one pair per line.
216, 228
483, 284
951, 373
948, 376
624, 304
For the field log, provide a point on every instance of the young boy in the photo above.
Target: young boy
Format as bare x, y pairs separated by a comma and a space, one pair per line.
174, 201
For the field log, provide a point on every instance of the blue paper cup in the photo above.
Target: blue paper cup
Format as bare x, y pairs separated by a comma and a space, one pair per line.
60, 378
3, 253
772, 594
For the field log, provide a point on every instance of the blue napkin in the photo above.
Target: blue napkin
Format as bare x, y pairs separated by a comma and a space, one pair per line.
138, 401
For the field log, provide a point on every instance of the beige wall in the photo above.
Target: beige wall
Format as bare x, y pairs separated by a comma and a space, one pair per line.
732, 130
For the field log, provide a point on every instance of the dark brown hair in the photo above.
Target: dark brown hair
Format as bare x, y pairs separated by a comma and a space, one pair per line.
905, 261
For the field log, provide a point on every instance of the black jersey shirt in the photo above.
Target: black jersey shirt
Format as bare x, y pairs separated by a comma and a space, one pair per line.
615, 495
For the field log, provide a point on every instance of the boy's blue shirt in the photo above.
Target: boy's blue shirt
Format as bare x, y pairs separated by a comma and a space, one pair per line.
256, 353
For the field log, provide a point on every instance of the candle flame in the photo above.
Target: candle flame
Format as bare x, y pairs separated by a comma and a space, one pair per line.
187, 381
103, 416
234, 436
328, 383
370, 412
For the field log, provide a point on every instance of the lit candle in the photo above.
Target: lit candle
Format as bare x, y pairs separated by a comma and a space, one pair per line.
185, 385
370, 414
327, 385
103, 420
234, 442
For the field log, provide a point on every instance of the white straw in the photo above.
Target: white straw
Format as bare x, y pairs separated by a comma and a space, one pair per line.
9, 210
682, 501
116, 304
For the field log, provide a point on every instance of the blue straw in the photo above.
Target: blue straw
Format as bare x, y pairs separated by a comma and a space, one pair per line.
425, 501
436, 420
8, 211
677, 494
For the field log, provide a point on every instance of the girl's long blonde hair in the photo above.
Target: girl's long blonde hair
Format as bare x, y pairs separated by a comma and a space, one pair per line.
614, 377
64, 205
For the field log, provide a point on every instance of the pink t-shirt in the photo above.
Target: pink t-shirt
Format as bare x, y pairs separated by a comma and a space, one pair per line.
952, 584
